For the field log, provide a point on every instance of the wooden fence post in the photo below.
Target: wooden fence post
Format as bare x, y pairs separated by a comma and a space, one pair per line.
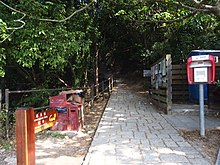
109, 84
92, 96
112, 81
0, 100
25, 136
103, 87
0, 105
169, 83
7, 113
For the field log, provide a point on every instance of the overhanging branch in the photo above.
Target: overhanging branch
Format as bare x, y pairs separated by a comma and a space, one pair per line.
46, 19
168, 21
20, 20
65, 19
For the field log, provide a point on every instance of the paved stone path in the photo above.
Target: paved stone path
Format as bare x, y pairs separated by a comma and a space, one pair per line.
187, 122
131, 132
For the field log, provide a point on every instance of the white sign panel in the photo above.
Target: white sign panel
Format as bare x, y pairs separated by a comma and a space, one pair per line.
199, 58
200, 75
146, 73
196, 64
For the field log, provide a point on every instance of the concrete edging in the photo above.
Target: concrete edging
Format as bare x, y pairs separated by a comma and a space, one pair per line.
218, 158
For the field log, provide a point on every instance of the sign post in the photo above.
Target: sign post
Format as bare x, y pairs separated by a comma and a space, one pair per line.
201, 105
25, 137
27, 124
201, 70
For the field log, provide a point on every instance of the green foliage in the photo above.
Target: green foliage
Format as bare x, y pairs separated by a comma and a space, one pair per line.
2, 62
217, 83
46, 48
2, 121
7, 144
140, 31
195, 33
58, 135
35, 99
3, 30
131, 32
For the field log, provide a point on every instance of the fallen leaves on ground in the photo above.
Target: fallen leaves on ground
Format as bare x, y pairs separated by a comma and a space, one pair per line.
210, 143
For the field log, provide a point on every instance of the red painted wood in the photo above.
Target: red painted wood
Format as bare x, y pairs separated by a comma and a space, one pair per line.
25, 137
45, 119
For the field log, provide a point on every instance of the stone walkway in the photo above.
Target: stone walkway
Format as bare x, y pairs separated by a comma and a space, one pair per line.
187, 122
131, 132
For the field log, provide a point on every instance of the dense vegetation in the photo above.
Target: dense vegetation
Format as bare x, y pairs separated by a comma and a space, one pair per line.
47, 44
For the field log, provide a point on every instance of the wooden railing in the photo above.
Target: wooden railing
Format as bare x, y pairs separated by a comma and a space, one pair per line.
161, 81
99, 89
169, 85
90, 95
180, 92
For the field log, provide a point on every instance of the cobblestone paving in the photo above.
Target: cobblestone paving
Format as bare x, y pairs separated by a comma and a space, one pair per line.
131, 132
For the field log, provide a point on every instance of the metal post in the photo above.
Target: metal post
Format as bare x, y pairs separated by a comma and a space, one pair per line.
201, 104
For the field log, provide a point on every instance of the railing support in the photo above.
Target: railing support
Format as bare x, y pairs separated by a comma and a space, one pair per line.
112, 82
103, 87
7, 113
25, 136
109, 85
169, 83
0, 100
92, 96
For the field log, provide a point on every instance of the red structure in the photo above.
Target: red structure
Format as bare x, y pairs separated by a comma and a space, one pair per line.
201, 69
27, 124
70, 105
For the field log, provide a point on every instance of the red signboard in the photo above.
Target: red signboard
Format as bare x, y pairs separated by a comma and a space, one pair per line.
45, 119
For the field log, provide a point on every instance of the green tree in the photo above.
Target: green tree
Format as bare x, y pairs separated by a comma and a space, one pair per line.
51, 44
141, 31
45, 51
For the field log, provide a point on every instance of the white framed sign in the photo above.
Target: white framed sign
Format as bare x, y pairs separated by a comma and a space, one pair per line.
199, 58
200, 75
146, 73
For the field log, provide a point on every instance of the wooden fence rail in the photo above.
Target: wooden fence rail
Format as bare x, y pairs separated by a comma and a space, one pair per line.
177, 88
168, 83
161, 81
180, 93
104, 86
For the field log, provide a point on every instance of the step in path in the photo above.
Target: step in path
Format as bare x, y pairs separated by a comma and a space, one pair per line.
131, 132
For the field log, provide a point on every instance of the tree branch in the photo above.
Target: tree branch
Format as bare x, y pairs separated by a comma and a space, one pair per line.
65, 19
42, 19
20, 20
12, 8
202, 7
19, 27
7, 36
198, 6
